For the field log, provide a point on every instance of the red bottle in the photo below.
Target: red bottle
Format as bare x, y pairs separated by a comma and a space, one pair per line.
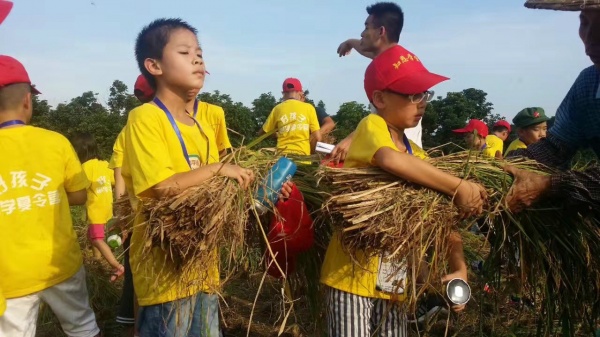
290, 231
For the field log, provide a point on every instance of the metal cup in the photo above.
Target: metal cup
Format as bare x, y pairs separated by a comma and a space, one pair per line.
458, 291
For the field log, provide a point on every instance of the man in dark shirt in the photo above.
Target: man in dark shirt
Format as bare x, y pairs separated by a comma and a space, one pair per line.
577, 127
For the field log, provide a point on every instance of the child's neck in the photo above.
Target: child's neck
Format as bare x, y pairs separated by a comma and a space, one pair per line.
176, 102
12, 115
397, 136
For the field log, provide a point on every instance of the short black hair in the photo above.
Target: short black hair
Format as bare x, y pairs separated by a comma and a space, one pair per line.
12, 95
153, 38
390, 16
85, 146
499, 128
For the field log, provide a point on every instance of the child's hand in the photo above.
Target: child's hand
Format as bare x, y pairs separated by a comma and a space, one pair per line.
286, 190
469, 199
117, 273
243, 176
461, 274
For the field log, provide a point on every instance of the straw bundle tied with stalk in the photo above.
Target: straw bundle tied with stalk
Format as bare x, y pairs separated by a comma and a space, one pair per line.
550, 248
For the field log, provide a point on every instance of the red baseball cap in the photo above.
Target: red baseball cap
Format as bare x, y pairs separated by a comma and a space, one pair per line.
400, 71
5, 7
503, 123
14, 72
474, 125
143, 90
292, 84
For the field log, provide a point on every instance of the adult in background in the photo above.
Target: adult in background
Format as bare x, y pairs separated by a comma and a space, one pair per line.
382, 31
325, 121
577, 127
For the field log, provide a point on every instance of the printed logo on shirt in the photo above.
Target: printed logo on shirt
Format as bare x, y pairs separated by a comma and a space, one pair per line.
293, 122
32, 192
194, 161
104, 185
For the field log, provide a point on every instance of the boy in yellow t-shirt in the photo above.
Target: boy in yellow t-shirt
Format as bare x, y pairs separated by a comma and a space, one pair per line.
40, 176
166, 152
477, 138
296, 122
531, 124
396, 83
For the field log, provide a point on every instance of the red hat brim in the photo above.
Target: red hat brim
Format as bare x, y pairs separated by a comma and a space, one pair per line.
416, 83
5, 7
34, 90
463, 130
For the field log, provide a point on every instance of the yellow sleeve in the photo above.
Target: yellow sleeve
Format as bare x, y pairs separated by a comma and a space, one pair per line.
271, 122
418, 151
116, 160
371, 135
221, 136
313, 119
75, 178
146, 150
2, 303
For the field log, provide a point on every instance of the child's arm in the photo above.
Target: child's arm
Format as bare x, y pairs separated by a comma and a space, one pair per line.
467, 196
109, 257
119, 184
341, 149
77, 197
181, 181
456, 262
346, 47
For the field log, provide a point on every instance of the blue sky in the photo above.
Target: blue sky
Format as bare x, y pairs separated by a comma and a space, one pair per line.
520, 57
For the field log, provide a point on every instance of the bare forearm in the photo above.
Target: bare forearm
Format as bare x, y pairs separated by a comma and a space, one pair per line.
416, 170
456, 257
356, 45
77, 197
327, 126
106, 252
119, 184
181, 181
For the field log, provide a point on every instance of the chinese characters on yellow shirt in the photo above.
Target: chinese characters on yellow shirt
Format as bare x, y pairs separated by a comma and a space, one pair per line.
31, 193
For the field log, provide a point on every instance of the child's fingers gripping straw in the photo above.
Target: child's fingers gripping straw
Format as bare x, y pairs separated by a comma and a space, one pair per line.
117, 273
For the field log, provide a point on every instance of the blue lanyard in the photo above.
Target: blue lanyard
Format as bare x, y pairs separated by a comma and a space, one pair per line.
12, 122
407, 144
195, 112
404, 140
175, 128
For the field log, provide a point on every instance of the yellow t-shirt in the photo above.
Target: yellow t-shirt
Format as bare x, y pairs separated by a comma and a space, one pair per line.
153, 153
38, 246
214, 116
99, 195
493, 145
294, 121
339, 269
516, 144
2, 303
116, 160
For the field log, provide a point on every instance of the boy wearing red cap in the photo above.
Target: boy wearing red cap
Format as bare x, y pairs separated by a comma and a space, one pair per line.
40, 257
478, 139
359, 300
166, 152
296, 122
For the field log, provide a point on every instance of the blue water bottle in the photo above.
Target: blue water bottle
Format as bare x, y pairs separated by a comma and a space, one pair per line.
283, 170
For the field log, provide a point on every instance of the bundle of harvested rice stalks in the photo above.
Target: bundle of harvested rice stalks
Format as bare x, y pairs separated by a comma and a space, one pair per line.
553, 252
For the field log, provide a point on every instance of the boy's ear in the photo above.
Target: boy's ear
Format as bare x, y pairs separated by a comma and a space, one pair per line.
27, 105
153, 67
378, 100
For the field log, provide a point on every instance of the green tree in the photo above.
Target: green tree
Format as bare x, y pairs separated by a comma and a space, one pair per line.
120, 102
237, 116
452, 112
41, 112
262, 107
348, 117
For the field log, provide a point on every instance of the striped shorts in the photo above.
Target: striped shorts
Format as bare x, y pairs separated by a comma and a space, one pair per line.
350, 315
